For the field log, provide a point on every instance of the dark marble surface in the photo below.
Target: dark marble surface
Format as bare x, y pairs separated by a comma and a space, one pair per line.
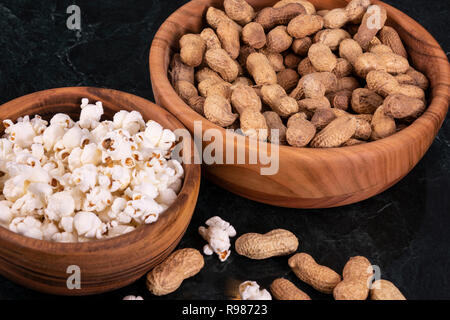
405, 230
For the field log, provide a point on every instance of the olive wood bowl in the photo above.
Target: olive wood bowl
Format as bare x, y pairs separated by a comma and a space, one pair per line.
314, 178
104, 264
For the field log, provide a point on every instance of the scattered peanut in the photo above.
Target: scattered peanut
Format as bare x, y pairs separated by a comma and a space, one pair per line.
283, 289
168, 276
257, 246
385, 290
321, 278
355, 286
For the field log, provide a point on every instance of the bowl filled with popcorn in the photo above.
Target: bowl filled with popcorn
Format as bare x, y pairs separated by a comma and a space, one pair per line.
93, 193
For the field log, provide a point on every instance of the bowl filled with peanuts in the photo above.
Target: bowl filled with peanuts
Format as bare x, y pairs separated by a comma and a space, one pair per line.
93, 192
303, 104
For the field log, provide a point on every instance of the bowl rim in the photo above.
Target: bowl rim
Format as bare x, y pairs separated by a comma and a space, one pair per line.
191, 182
438, 97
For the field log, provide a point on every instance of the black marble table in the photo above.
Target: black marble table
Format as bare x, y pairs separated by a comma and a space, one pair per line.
405, 230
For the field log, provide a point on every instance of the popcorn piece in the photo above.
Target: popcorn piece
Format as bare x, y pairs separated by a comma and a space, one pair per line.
5, 212
38, 125
133, 298
218, 236
130, 121
87, 224
60, 204
64, 237
27, 226
90, 114
27, 204
74, 158
62, 120
97, 200
49, 229
85, 177
91, 154
21, 133
249, 290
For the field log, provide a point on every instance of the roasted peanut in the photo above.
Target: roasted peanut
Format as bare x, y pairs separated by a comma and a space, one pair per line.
278, 242
278, 40
322, 117
274, 122
385, 84
275, 96
180, 71
321, 57
304, 25
390, 37
287, 79
211, 39
185, 90
229, 38
400, 106
168, 276
260, 69
219, 61
335, 18
299, 132
217, 109
192, 49
283, 289
270, 17
331, 37
239, 11
207, 73
365, 100
319, 277
389, 62
244, 97
355, 284
309, 7
382, 125
350, 50
301, 46
372, 21
253, 124
385, 290
336, 133
253, 35
291, 61
216, 16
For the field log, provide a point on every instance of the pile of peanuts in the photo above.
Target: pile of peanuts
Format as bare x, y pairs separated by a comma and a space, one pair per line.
322, 79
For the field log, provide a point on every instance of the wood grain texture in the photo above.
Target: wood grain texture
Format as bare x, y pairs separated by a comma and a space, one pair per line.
105, 264
316, 178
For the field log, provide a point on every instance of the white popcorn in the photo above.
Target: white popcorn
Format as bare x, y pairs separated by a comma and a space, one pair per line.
85, 177
49, 229
60, 204
91, 154
133, 298
78, 181
62, 120
21, 133
218, 236
87, 224
97, 199
66, 224
74, 158
153, 133
90, 114
51, 135
5, 212
27, 204
27, 226
250, 290
130, 121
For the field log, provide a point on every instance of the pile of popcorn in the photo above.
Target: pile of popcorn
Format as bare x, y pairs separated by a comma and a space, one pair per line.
78, 181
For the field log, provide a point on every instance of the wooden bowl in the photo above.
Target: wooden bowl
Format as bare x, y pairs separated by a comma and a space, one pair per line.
104, 264
315, 178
